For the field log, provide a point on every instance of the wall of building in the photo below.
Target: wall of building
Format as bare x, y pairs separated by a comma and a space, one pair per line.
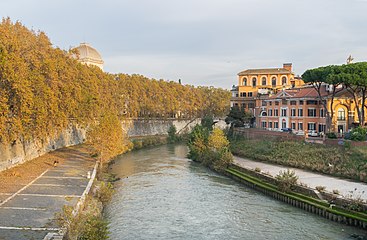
20, 151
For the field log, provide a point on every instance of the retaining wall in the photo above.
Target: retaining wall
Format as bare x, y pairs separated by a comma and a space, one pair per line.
320, 209
21, 151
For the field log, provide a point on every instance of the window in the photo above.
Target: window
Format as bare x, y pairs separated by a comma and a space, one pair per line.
276, 103
300, 126
236, 104
270, 124
270, 112
244, 81
284, 112
243, 94
263, 81
322, 127
322, 112
293, 84
300, 112
263, 124
311, 102
311, 112
251, 105
243, 105
293, 112
263, 103
311, 126
276, 112
276, 125
341, 114
273, 81
293, 102
284, 125
300, 102
270, 103
293, 125
249, 94
284, 80
254, 81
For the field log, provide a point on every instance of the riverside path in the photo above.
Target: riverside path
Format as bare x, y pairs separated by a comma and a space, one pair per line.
28, 212
344, 186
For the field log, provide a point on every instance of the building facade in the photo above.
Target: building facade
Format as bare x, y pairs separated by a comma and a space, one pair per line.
279, 100
253, 83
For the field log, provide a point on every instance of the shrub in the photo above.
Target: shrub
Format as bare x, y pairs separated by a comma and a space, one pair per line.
358, 134
331, 135
211, 149
104, 192
286, 180
320, 188
172, 134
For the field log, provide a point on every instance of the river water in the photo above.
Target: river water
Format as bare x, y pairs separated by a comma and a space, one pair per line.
164, 195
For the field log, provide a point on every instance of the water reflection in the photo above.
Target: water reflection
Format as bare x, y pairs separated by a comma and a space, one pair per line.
164, 195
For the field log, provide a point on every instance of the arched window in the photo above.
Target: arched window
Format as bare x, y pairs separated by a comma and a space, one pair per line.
341, 114
254, 82
244, 81
284, 80
263, 81
274, 81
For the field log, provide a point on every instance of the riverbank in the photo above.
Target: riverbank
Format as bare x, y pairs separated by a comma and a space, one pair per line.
343, 161
33, 192
330, 206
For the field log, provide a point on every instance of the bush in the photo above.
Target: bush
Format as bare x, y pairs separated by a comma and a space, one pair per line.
358, 134
286, 180
320, 188
211, 149
172, 134
331, 135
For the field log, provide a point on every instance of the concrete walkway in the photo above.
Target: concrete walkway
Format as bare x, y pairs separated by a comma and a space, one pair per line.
29, 213
345, 187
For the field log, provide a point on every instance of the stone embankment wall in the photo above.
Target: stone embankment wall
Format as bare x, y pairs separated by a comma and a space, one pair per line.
323, 209
20, 151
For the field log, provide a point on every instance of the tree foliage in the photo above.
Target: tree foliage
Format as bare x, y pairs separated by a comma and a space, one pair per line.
211, 148
237, 117
43, 89
352, 77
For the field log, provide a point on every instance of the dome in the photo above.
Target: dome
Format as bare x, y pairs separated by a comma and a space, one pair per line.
89, 55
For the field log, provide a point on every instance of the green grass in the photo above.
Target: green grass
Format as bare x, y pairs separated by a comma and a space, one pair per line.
337, 161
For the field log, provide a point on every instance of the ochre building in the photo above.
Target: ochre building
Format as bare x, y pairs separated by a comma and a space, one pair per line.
279, 100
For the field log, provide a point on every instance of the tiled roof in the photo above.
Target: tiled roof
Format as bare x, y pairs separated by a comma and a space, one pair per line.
305, 92
265, 71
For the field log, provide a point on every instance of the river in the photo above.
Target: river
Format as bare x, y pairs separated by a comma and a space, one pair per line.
164, 195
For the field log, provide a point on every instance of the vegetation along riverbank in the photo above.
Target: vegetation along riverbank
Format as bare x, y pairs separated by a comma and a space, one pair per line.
346, 161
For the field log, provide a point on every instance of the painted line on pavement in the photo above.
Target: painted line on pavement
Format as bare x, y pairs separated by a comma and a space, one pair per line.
29, 228
23, 208
57, 185
65, 177
5, 193
47, 195
23, 188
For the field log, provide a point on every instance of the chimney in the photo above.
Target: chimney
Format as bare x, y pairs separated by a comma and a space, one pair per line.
287, 66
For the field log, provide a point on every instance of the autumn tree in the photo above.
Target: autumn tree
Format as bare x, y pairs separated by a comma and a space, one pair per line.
106, 136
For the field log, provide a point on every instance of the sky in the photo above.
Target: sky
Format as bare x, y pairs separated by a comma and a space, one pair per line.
202, 42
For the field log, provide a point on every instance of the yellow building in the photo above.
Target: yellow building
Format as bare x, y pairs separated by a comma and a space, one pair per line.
255, 82
89, 55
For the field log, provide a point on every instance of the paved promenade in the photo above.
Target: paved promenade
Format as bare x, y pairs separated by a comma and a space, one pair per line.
29, 212
344, 186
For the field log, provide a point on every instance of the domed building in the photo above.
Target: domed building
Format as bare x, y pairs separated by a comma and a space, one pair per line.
89, 55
